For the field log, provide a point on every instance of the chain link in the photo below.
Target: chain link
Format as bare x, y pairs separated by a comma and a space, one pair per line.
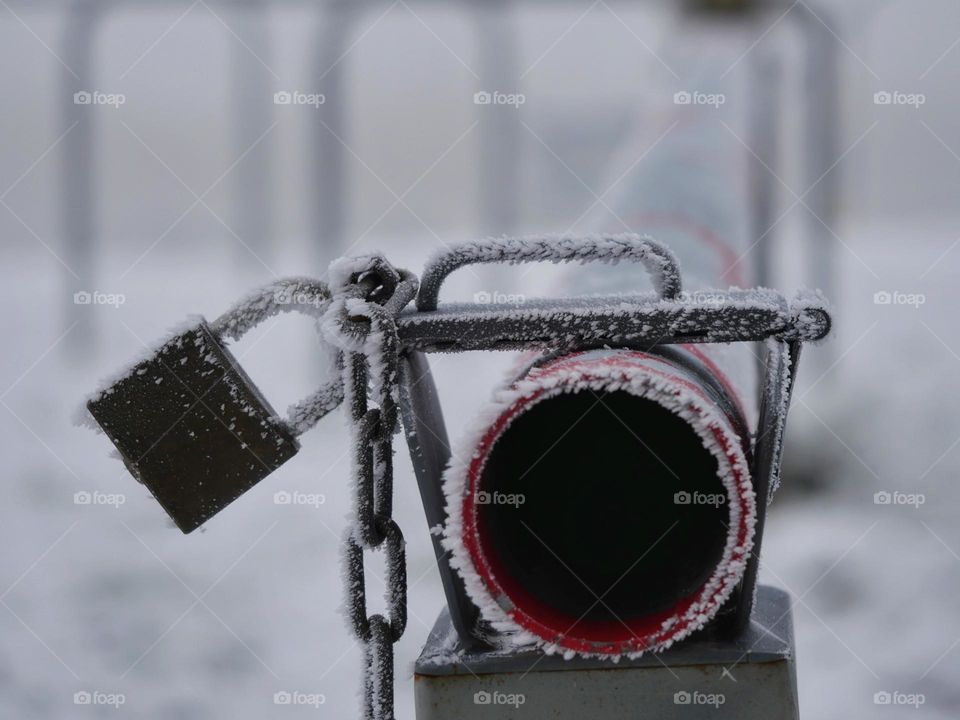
361, 323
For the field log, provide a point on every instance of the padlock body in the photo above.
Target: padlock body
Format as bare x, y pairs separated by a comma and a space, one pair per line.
191, 426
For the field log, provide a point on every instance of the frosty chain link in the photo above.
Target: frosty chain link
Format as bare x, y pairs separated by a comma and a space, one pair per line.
361, 322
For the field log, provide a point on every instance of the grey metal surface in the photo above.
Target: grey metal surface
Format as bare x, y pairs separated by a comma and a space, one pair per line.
751, 676
736, 316
426, 436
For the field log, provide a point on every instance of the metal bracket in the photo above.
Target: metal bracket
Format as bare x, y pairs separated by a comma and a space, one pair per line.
646, 321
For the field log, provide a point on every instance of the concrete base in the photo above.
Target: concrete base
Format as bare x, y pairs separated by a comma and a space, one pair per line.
751, 677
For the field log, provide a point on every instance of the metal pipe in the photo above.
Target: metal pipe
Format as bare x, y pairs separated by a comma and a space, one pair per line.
598, 503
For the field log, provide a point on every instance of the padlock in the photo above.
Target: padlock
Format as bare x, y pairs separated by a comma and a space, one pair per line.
191, 425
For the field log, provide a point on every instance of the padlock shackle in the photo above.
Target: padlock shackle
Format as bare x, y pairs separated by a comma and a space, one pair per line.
300, 294
658, 260
313, 297
294, 294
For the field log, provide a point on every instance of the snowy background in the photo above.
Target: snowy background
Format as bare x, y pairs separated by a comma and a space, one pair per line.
111, 598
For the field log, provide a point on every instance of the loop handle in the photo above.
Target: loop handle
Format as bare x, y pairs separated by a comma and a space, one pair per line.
659, 261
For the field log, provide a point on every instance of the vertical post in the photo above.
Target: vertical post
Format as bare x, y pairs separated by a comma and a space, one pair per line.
764, 126
78, 190
500, 135
764, 108
328, 129
821, 146
252, 100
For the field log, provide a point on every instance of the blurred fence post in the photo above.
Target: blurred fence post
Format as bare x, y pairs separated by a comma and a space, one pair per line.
78, 189
821, 150
253, 108
763, 127
329, 129
500, 136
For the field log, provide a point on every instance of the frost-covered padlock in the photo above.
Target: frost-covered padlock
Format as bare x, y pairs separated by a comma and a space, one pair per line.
191, 425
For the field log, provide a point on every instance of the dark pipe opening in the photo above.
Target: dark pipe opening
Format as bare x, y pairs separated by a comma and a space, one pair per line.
599, 508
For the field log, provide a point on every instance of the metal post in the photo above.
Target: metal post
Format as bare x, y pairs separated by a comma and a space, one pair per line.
764, 139
252, 110
500, 130
821, 147
78, 190
328, 129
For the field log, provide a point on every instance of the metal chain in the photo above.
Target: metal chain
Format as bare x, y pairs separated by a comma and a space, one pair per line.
361, 323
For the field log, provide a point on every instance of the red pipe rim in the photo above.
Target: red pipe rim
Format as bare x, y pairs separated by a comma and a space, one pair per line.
612, 637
